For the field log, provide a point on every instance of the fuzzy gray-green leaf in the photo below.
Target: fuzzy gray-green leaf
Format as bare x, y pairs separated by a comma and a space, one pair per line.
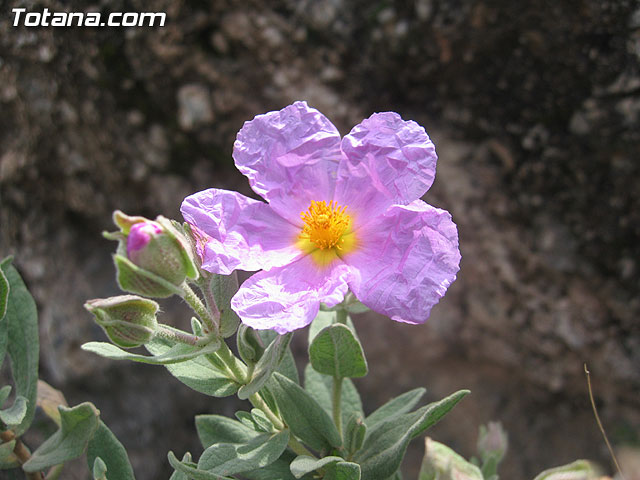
107, 447
14, 415
4, 294
396, 406
306, 418
232, 458
386, 443
335, 351
21, 322
198, 373
223, 288
78, 426
319, 386
268, 363
191, 471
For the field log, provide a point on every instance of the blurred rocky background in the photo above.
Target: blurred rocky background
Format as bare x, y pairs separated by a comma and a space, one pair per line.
534, 108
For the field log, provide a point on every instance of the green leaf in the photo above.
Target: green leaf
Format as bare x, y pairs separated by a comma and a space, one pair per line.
105, 446
190, 470
354, 434
218, 429
78, 426
396, 406
386, 443
306, 418
175, 354
99, 469
319, 386
14, 415
224, 287
177, 475
278, 470
305, 464
287, 365
335, 351
578, 470
261, 420
441, 463
4, 394
198, 373
23, 347
7, 457
268, 363
396, 476
134, 279
232, 458
4, 294
343, 471
4, 338
322, 321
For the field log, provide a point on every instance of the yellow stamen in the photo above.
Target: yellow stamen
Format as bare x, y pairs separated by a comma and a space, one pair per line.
325, 225
326, 233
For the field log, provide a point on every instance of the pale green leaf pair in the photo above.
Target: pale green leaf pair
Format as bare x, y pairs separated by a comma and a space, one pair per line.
387, 440
229, 458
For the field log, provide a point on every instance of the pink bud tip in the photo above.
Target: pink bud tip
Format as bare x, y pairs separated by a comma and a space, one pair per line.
140, 236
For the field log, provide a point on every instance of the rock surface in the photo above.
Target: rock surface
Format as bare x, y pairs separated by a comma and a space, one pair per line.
535, 113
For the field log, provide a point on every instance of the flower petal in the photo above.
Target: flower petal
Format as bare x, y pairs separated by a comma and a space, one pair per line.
287, 298
407, 259
242, 233
290, 157
387, 161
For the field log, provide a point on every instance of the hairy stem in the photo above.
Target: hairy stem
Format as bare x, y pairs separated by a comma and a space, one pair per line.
237, 369
180, 336
258, 402
196, 304
205, 286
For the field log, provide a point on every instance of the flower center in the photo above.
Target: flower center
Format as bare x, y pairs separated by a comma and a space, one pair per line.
325, 225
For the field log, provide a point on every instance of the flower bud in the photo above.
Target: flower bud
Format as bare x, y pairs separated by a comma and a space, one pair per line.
153, 258
128, 320
492, 441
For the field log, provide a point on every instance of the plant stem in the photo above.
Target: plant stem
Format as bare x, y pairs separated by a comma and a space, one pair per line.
205, 287
196, 304
182, 337
21, 452
258, 402
341, 316
236, 368
336, 403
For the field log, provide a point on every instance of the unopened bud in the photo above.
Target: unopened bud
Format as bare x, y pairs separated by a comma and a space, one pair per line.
128, 320
492, 441
153, 258
442, 463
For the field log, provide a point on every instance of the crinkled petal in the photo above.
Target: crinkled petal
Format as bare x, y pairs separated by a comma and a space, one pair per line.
406, 261
387, 161
290, 157
242, 233
287, 298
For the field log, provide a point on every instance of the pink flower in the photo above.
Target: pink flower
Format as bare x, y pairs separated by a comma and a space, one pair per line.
341, 214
